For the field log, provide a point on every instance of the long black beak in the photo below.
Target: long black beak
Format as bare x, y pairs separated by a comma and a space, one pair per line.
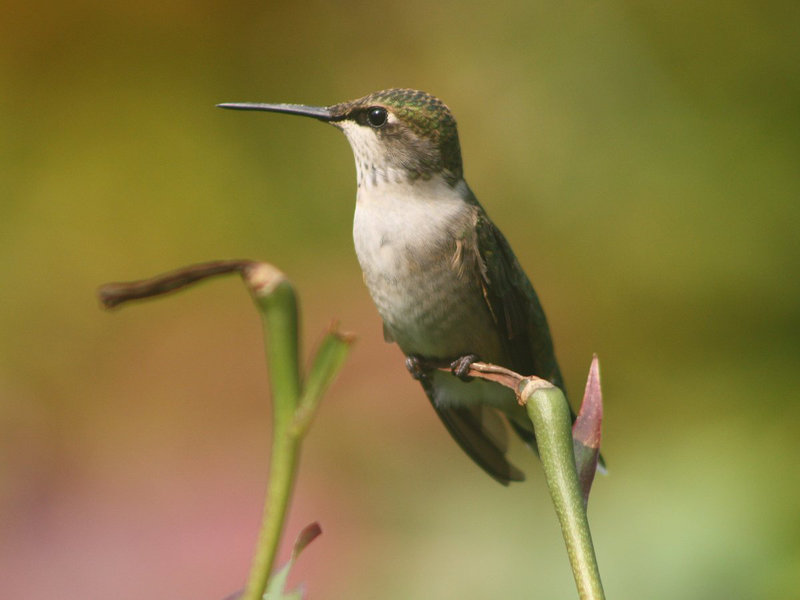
317, 112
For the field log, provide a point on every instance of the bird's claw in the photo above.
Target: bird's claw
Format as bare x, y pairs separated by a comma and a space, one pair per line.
414, 366
460, 366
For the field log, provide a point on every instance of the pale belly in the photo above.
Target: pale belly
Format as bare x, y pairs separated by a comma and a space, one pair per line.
430, 307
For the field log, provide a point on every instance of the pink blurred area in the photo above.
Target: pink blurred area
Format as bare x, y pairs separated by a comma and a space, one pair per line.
146, 478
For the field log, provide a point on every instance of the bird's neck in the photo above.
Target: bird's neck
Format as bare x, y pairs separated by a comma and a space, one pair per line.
394, 185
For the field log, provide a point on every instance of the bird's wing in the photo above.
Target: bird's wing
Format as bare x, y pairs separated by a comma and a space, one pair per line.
515, 306
481, 434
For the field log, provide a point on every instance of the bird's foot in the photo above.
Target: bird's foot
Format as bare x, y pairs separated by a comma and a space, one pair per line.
414, 364
460, 366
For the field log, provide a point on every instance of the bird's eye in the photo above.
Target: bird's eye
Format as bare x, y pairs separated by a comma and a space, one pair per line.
376, 116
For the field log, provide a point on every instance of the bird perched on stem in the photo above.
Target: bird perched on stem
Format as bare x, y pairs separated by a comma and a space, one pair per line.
444, 279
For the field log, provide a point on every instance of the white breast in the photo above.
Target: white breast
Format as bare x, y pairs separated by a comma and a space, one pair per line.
408, 238
397, 225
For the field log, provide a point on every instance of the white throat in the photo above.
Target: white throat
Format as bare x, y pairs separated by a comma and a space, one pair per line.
372, 165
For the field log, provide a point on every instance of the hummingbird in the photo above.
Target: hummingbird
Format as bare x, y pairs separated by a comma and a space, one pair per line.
445, 281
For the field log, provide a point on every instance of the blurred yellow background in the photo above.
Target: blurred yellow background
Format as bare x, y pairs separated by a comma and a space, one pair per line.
641, 157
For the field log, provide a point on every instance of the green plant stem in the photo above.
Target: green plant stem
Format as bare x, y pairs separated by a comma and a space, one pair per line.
282, 468
548, 410
327, 363
293, 403
277, 305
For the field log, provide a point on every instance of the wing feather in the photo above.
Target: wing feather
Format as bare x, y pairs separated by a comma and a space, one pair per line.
467, 427
515, 306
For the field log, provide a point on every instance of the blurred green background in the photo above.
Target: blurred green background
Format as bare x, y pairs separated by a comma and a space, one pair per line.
641, 157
